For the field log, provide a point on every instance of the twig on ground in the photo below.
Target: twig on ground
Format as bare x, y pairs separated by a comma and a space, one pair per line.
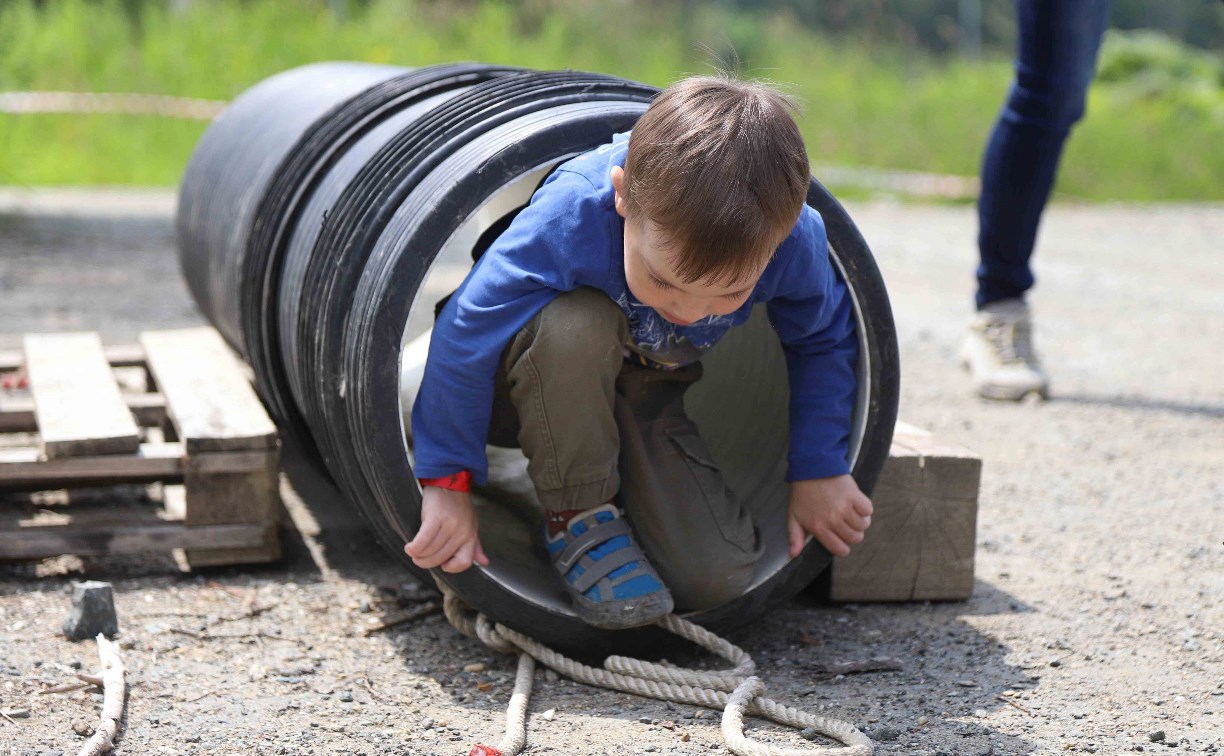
171, 614
422, 611
253, 611
1009, 702
65, 688
876, 664
203, 695
365, 682
91, 679
226, 588
114, 694
232, 636
4, 714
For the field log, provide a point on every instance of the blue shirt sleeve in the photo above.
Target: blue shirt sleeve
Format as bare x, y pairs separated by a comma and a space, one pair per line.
559, 242
813, 315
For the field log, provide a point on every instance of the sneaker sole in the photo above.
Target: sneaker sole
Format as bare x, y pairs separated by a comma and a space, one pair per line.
1012, 394
624, 614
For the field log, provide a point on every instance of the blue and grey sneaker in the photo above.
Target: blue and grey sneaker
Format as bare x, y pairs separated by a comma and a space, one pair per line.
612, 584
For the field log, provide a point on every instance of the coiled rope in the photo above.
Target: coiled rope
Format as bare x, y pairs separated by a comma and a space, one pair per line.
735, 691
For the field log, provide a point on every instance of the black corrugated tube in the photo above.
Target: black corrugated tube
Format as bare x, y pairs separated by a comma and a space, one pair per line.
330, 208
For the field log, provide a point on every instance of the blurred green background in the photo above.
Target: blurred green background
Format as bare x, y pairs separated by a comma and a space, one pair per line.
895, 85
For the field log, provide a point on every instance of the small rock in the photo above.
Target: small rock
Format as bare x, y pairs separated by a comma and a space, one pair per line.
549, 715
17, 713
1157, 736
551, 676
474, 667
93, 611
884, 733
808, 733
645, 720
84, 729
1056, 662
922, 720
684, 737
346, 696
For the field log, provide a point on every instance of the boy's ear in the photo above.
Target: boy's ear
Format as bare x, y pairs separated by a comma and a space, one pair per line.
618, 183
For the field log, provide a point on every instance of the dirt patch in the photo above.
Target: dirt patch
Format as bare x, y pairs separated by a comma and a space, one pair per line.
1096, 625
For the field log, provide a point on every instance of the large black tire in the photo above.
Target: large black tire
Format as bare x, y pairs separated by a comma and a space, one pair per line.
332, 254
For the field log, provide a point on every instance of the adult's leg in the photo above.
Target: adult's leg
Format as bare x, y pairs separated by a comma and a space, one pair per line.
1057, 44
700, 538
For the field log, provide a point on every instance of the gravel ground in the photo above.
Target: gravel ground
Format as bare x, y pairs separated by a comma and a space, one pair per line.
1096, 626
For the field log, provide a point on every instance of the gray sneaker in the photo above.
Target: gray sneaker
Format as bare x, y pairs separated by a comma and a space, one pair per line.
998, 351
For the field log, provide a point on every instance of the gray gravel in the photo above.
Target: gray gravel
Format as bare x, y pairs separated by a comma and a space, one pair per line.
1096, 625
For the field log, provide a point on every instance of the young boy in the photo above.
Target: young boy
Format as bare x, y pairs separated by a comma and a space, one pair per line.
583, 324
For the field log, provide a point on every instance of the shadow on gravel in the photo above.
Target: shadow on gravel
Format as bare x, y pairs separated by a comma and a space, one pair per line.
916, 676
1142, 404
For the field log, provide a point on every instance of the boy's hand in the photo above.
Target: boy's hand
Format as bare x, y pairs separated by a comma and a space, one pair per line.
448, 537
833, 510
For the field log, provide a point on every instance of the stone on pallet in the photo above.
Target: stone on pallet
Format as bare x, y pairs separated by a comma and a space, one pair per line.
93, 611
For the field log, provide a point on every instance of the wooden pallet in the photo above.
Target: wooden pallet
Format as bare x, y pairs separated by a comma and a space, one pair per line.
184, 415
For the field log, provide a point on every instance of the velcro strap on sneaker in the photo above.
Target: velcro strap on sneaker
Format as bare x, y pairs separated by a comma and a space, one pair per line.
595, 535
595, 570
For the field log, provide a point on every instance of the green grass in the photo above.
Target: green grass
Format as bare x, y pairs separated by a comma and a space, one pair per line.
862, 105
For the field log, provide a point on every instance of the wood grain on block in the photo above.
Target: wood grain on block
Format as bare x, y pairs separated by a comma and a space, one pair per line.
77, 402
210, 498
208, 398
923, 533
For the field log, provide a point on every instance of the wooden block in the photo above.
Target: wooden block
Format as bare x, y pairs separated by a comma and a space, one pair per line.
250, 498
208, 398
77, 402
923, 533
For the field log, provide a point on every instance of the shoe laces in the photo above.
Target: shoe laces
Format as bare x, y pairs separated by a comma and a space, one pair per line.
1013, 341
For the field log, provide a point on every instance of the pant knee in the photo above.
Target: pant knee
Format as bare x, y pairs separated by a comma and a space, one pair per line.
1049, 108
583, 323
711, 578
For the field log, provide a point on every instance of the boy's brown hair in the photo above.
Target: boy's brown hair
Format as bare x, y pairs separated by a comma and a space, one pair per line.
719, 166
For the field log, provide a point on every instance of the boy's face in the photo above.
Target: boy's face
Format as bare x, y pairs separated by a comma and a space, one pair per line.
653, 281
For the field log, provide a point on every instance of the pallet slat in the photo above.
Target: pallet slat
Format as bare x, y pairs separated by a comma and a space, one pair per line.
17, 413
77, 402
22, 468
121, 355
208, 399
40, 541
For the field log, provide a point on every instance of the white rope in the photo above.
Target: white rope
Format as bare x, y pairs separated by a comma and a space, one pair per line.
735, 691
106, 102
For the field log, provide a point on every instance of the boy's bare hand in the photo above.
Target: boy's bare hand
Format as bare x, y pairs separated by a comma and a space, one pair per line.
448, 537
833, 510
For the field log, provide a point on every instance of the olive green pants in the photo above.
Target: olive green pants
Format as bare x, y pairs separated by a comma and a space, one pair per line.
595, 427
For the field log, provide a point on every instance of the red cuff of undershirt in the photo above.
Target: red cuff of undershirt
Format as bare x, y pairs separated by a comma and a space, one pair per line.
460, 481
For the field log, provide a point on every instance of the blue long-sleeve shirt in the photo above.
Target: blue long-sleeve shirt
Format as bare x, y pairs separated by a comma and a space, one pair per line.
570, 236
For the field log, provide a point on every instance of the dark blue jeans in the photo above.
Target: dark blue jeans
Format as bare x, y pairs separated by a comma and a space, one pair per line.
1057, 45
